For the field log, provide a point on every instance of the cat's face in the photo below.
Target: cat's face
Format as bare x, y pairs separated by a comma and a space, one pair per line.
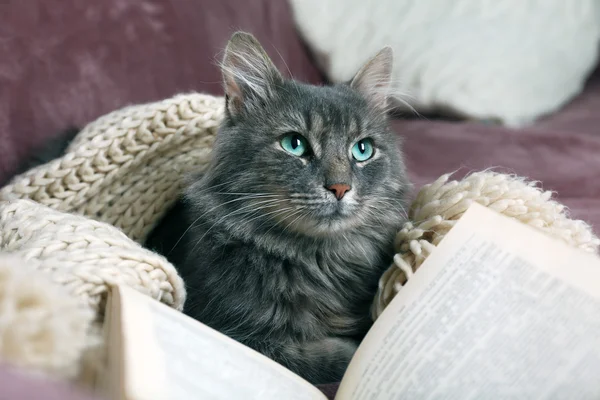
314, 160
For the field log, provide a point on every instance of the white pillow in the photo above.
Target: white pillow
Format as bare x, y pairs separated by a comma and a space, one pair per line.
510, 60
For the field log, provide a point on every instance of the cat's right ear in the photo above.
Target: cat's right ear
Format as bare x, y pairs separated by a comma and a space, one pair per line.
248, 73
374, 79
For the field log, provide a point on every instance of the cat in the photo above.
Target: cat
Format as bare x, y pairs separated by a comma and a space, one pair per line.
283, 238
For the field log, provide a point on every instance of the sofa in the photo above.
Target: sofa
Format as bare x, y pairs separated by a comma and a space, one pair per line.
63, 63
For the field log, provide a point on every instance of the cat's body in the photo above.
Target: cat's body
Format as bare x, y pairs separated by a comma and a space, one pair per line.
282, 240
280, 250
302, 302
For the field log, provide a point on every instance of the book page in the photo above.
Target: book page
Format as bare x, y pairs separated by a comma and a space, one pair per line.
171, 356
498, 310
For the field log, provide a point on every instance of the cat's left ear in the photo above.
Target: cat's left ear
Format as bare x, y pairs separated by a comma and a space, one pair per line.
248, 72
374, 79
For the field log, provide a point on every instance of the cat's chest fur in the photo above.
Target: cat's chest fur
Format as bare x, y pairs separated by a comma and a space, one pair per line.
251, 286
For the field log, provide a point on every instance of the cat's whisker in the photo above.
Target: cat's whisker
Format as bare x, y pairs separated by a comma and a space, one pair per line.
259, 211
212, 187
306, 195
302, 202
375, 211
242, 195
275, 212
297, 213
250, 194
295, 207
294, 221
283, 219
255, 211
400, 210
235, 212
396, 204
376, 215
210, 210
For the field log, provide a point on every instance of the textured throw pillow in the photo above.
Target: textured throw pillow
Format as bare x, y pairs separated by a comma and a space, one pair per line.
511, 60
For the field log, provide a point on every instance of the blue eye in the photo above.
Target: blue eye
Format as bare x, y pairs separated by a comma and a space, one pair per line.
295, 144
363, 150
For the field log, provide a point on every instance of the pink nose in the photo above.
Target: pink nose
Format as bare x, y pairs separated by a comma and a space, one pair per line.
339, 189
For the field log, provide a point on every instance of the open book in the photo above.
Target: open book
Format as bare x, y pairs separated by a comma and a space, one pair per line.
498, 310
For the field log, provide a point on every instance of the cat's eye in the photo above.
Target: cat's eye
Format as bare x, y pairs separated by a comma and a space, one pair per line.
363, 150
295, 143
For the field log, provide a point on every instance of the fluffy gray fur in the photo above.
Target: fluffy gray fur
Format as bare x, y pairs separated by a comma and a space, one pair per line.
269, 255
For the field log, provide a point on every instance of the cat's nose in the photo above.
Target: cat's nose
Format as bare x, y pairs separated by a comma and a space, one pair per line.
339, 189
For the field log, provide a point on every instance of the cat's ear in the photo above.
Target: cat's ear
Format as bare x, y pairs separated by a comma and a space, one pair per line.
374, 79
248, 72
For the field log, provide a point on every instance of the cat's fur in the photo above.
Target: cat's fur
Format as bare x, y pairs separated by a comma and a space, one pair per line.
270, 257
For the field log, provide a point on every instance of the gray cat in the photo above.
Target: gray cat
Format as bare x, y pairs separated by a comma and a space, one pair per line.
282, 240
